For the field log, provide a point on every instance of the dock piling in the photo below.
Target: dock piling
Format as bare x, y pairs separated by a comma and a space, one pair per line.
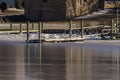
28, 34
20, 28
39, 30
82, 30
112, 29
11, 25
42, 26
70, 28
32, 25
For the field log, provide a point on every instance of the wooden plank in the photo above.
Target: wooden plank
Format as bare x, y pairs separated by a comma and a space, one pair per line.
17, 31
63, 40
56, 40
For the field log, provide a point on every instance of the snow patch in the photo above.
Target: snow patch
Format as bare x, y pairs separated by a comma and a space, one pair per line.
23, 37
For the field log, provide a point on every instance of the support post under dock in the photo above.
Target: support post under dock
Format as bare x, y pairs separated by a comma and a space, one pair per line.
82, 30
70, 29
20, 27
42, 26
112, 29
28, 34
11, 25
39, 30
32, 25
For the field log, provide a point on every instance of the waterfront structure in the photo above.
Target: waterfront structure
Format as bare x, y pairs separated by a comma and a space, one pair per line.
58, 9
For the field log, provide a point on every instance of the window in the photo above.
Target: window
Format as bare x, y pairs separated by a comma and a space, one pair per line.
45, 1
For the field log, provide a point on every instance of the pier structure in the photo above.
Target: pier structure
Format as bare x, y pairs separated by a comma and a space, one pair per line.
95, 24
68, 39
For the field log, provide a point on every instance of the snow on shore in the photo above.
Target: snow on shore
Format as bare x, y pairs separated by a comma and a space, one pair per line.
23, 37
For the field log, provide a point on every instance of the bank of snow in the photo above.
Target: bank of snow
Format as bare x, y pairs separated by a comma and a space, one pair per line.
23, 37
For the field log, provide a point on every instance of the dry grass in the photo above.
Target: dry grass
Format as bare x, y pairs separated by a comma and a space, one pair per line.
8, 12
110, 4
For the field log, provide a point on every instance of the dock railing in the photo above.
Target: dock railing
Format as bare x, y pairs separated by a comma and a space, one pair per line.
72, 28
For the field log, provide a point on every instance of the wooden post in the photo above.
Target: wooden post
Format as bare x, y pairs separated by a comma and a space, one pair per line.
28, 53
82, 30
39, 36
42, 26
39, 30
112, 29
20, 27
117, 26
40, 51
32, 25
28, 31
11, 26
70, 28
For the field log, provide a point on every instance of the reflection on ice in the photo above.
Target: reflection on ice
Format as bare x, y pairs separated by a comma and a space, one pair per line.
60, 61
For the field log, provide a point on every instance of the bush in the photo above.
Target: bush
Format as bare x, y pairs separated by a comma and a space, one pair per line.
3, 6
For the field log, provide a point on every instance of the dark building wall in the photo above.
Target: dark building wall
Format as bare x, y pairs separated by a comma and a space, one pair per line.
58, 9
40, 10
101, 4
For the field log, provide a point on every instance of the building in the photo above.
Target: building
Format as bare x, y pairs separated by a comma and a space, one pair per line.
57, 9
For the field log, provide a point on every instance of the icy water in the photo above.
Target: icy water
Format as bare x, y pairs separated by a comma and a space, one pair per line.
59, 61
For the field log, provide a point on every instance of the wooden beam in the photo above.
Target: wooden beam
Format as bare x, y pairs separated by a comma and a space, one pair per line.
63, 40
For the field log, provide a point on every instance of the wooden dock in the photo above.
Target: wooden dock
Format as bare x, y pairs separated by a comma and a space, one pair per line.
56, 40
64, 40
